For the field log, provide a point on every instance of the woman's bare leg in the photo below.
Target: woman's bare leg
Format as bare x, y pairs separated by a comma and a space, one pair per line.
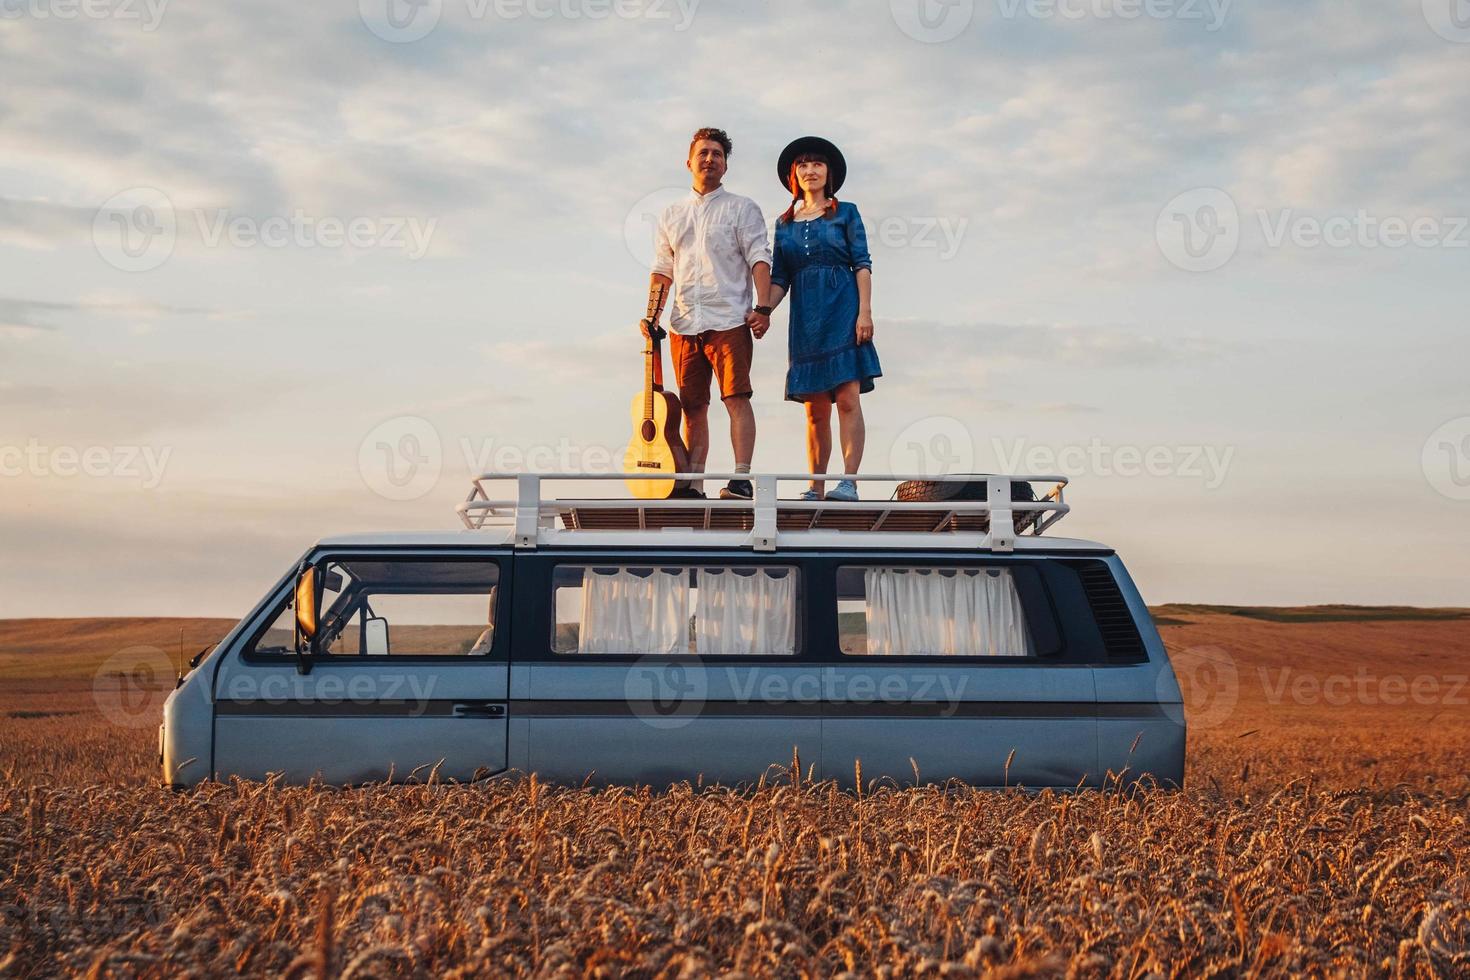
851, 426
818, 436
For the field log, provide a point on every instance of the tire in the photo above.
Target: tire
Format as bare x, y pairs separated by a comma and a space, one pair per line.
935, 490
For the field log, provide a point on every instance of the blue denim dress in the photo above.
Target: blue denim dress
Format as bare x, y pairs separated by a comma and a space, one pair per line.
818, 261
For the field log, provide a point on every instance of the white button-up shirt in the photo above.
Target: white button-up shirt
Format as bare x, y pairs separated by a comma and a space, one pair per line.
708, 244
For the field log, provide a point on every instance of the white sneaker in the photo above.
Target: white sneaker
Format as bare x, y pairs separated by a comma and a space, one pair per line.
845, 491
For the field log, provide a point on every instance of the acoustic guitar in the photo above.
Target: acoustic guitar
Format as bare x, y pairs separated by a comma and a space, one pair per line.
656, 446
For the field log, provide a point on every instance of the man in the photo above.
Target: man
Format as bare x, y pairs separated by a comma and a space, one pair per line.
708, 248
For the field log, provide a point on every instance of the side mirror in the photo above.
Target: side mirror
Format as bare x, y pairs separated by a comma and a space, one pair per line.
308, 598
375, 637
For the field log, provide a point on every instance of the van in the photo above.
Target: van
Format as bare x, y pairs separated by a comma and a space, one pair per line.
597, 640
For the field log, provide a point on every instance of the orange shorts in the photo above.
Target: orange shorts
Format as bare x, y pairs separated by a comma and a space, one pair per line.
698, 359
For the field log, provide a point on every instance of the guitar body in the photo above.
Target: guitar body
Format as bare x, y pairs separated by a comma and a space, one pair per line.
656, 447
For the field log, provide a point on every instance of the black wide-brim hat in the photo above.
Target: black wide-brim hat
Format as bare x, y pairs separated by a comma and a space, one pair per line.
836, 162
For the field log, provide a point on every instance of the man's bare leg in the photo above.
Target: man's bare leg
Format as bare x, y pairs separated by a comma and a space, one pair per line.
742, 431
696, 440
818, 437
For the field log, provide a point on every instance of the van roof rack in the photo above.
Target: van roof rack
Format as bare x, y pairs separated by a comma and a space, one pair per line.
756, 523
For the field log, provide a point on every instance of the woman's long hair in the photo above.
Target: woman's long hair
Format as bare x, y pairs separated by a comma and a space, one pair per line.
795, 185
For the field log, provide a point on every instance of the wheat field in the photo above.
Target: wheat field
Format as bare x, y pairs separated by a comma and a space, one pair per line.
1310, 839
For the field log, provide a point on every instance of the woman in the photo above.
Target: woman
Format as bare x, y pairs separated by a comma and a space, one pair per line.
821, 258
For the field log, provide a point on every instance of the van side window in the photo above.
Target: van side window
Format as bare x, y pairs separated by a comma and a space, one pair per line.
389, 607
911, 611
709, 610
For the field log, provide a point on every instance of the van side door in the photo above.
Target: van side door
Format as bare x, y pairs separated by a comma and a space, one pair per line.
654, 668
410, 681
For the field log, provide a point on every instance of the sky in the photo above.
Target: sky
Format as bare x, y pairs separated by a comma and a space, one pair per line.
275, 271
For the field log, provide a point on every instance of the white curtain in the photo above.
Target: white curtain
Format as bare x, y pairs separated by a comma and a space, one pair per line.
750, 614
961, 613
639, 614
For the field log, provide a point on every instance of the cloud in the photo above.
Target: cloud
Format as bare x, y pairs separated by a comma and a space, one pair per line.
1101, 346
27, 314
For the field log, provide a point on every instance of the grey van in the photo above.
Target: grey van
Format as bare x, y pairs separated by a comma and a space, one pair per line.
612, 640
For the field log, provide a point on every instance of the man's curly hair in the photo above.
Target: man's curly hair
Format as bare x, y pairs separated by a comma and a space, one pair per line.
710, 133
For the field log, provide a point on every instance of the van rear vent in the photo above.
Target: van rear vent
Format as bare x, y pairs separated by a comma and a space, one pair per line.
1114, 621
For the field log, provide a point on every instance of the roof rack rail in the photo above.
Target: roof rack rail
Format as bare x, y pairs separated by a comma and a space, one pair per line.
758, 523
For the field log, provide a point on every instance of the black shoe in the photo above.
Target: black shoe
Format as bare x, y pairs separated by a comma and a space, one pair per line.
687, 493
738, 490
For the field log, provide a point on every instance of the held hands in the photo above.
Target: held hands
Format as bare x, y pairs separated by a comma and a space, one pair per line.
864, 327
651, 329
758, 323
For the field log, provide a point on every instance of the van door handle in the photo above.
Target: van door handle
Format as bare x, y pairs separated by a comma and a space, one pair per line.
479, 709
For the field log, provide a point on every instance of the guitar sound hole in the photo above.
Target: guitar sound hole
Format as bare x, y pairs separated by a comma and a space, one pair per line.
649, 430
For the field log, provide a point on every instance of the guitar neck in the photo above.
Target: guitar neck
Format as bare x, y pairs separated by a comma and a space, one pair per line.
649, 354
